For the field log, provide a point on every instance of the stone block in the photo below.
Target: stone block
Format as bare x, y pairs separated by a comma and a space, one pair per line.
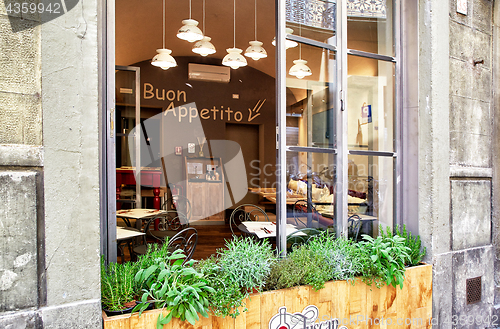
7, 7
470, 213
469, 264
20, 119
75, 315
442, 286
20, 58
18, 240
470, 132
460, 18
468, 149
481, 83
20, 320
482, 49
72, 227
482, 14
471, 116
461, 41
460, 78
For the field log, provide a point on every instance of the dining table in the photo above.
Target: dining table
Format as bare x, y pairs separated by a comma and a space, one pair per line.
124, 236
265, 229
139, 214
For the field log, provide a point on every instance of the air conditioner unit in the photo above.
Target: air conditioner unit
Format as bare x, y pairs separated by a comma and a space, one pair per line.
208, 72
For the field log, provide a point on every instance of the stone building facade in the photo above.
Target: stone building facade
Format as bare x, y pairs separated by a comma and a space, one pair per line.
50, 142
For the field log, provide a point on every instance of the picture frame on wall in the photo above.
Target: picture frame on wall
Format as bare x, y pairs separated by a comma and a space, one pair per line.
191, 147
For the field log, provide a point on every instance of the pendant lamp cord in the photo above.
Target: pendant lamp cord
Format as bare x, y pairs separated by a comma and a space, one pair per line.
163, 24
203, 17
234, 23
255, 19
300, 44
189, 9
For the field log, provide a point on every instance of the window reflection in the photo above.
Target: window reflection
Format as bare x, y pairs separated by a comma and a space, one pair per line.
370, 26
370, 104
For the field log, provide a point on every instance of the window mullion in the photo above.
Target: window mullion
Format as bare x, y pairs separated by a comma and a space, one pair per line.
342, 151
281, 127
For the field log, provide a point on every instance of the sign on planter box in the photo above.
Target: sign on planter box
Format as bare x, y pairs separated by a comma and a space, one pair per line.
302, 320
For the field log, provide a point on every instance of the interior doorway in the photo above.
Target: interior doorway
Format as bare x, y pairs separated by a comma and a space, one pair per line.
247, 136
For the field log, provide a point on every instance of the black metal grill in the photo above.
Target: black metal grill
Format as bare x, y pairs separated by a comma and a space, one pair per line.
473, 290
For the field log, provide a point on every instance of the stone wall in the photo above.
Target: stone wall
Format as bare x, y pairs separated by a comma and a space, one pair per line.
457, 113
49, 170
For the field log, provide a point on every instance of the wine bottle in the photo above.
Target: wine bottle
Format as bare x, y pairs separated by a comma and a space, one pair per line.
283, 324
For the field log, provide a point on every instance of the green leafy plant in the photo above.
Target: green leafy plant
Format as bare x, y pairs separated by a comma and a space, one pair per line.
321, 259
180, 289
301, 266
344, 259
389, 256
416, 252
227, 298
246, 262
155, 255
233, 272
117, 285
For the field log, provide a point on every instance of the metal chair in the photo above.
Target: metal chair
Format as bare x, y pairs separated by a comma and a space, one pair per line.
186, 239
354, 226
246, 213
179, 213
301, 237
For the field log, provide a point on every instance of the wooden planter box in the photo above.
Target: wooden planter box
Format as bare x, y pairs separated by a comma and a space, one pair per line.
356, 306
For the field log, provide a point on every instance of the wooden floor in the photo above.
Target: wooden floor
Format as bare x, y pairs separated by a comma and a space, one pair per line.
210, 238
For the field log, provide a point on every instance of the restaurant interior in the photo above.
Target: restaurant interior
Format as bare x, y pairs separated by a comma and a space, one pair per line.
195, 131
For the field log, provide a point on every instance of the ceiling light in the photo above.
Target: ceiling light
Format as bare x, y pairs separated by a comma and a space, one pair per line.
300, 69
163, 59
256, 51
204, 47
234, 59
189, 30
288, 43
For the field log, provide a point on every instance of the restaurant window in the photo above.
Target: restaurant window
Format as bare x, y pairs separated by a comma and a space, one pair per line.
198, 142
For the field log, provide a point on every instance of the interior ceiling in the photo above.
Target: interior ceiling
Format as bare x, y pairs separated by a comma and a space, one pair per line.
139, 28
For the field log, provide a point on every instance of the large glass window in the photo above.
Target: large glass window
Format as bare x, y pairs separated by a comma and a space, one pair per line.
199, 142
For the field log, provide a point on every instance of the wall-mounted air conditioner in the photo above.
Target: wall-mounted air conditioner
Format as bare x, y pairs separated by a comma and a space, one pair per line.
209, 72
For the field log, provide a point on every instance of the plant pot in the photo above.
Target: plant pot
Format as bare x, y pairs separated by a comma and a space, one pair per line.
127, 309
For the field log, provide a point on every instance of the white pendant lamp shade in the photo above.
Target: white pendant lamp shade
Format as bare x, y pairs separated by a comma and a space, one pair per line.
190, 31
288, 43
300, 69
163, 59
204, 47
256, 51
234, 58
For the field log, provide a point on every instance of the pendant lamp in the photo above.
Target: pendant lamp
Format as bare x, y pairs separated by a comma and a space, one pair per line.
189, 30
234, 58
163, 59
288, 43
204, 47
256, 51
300, 68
